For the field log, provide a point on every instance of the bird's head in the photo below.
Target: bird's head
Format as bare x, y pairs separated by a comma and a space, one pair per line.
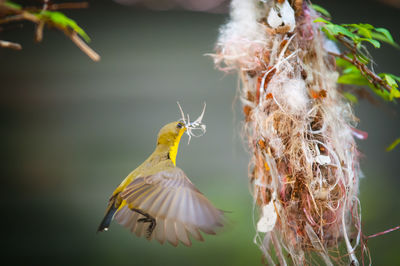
171, 133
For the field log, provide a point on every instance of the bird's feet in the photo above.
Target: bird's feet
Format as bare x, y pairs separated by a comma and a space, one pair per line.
147, 219
151, 227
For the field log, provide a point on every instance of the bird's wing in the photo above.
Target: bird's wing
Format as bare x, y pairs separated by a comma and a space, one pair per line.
179, 208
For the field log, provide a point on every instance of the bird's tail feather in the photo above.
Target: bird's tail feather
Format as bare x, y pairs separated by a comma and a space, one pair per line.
105, 223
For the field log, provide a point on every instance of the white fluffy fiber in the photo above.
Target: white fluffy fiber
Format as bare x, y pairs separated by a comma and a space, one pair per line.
282, 15
244, 22
268, 219
290, 94
243, 36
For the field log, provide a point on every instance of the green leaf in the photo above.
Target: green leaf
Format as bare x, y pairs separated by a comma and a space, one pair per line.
359, 26
386, 34
351, 75
12, 5
375, 43
342, 63
329, 35
358, 33
389, 80
353, 79
63, 21
393, 76
322, 20
364, 32
351, 70
394, 93
361, 29
393, 145
321, 10
384, 94
339, 30
351, 97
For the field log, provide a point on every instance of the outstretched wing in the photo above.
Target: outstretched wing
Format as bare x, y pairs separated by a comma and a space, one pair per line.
177, 205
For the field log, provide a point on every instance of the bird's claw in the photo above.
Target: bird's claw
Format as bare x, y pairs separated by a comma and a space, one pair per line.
144, 220
151, 227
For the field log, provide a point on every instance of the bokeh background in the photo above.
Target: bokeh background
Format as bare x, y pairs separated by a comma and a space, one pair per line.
72, 129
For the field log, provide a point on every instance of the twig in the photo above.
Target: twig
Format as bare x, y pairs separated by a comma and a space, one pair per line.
365, 71
45, 5
11, 45
40, 26
348, 44
83, 46
39, 31
28, 16
19, 15
68, 6
11, 18
23, 15
384, 232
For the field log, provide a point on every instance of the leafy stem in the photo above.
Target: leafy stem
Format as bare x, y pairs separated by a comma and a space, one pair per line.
373, 78
355, 59
47, 15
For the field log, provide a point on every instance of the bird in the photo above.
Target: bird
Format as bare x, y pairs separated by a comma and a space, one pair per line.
157, 200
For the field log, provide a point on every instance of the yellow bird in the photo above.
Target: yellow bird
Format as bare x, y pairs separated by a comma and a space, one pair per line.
157, 199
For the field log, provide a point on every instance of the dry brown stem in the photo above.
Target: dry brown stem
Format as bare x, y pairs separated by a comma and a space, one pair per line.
39, 31
71, 5
83, 46
11, 45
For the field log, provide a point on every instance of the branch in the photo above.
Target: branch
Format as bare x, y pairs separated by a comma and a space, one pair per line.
60, 6
384, 232
11, 45
365, 71
83, 46
45, 16
23, 15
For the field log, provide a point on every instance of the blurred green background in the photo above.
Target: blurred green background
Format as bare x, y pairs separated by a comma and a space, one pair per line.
72, 130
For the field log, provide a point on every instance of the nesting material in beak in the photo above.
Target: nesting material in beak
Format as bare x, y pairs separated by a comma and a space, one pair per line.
195, 128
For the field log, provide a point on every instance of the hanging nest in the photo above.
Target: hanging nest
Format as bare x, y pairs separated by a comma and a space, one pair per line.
304, 169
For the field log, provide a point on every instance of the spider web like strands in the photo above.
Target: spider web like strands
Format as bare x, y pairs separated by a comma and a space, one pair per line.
195, 128
304, 169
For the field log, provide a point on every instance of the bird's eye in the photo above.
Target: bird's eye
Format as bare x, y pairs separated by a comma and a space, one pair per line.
179, 125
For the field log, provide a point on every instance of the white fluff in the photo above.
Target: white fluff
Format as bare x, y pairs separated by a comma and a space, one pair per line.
243, 36
282, 15
330, 46
244, 22
277, 145
291, 94
268, 218
322, 159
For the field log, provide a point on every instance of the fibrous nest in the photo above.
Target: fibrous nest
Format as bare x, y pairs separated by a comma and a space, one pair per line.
304, 169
